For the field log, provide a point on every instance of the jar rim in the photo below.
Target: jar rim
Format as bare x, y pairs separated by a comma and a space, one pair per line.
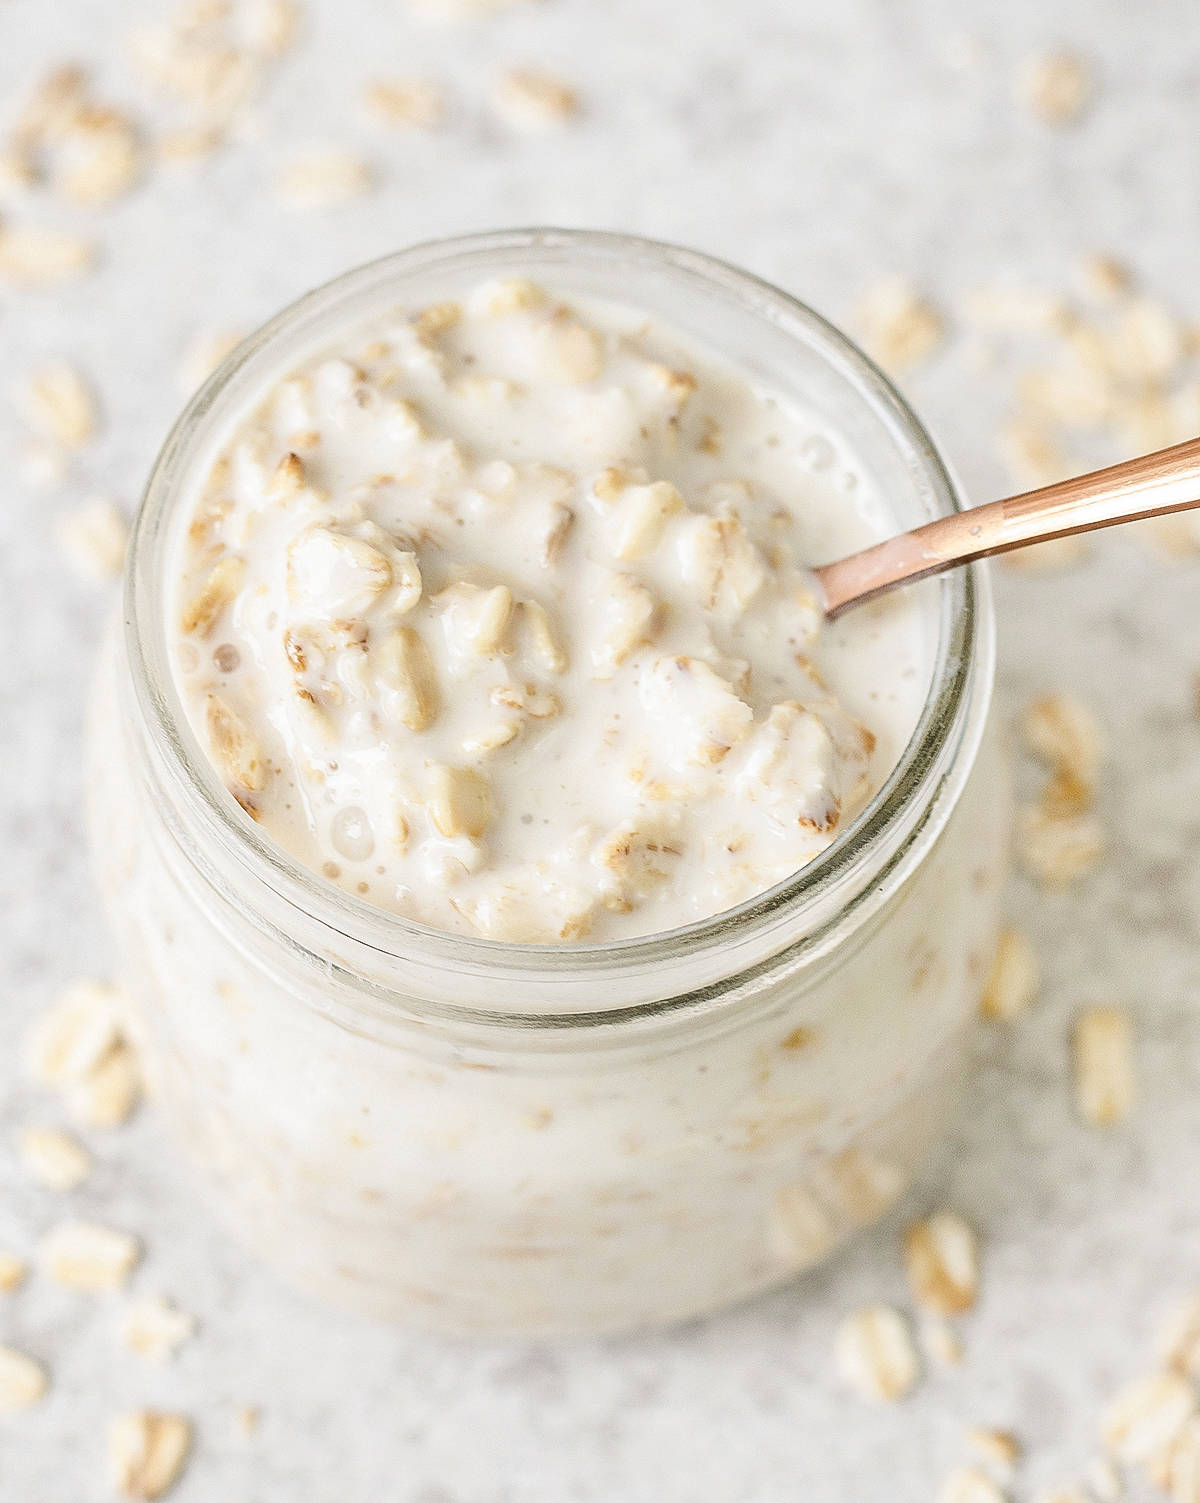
961, 616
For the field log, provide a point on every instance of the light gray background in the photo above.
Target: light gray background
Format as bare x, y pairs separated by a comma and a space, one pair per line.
819, 145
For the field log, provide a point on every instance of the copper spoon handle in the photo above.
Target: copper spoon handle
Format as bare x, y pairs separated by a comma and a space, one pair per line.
1166, 481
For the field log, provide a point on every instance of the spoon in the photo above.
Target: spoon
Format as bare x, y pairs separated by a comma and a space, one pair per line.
1152, 486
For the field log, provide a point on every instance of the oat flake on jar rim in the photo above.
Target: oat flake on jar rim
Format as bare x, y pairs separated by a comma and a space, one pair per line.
542, 1139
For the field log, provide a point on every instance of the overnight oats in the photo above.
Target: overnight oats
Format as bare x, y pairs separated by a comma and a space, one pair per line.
536, 917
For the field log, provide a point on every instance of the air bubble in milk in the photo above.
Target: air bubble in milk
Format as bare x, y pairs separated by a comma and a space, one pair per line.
817, 453
350, 834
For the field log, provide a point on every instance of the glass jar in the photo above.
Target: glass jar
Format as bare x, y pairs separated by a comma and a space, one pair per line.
529, 1140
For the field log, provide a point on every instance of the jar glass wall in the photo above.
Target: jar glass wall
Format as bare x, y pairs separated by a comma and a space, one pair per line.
536, 1140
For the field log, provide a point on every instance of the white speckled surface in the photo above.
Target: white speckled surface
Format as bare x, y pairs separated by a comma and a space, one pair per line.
817, 145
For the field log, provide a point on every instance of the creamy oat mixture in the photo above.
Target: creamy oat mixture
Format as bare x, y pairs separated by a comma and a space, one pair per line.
497, 614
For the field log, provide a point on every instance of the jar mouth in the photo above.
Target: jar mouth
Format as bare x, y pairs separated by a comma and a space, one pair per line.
189, 777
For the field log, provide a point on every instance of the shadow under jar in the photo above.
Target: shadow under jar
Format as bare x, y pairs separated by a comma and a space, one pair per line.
539, 1140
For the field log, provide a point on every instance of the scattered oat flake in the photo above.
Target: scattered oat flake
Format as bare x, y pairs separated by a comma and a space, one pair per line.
1104, 1480
94, 537
899, 327
967, 1484
1063, 1495
12, 1272
1148, 420
204, 355
197, 61
321, 179
18, 169
1146, 343
875, 1354
35, 256
1179, 1470
1058, 849
107, 1095
1086, 341
1105, 1084
60, 402
248, 1418
19, 172
155, 1328
271, 27
1013, 982
534, 99
1000, 1447
147, 1451
1057, 87
1064, 734
53, 107
1071, 391
54, 1158
462, 10
1035, 459
100, 159
1146, 1416
1066, 794
75, 1034
1179, 1340
82, 1255
941, 1258
416, 103
189, 143
941, 1342
1015, 310
1104, 278
22, 1380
